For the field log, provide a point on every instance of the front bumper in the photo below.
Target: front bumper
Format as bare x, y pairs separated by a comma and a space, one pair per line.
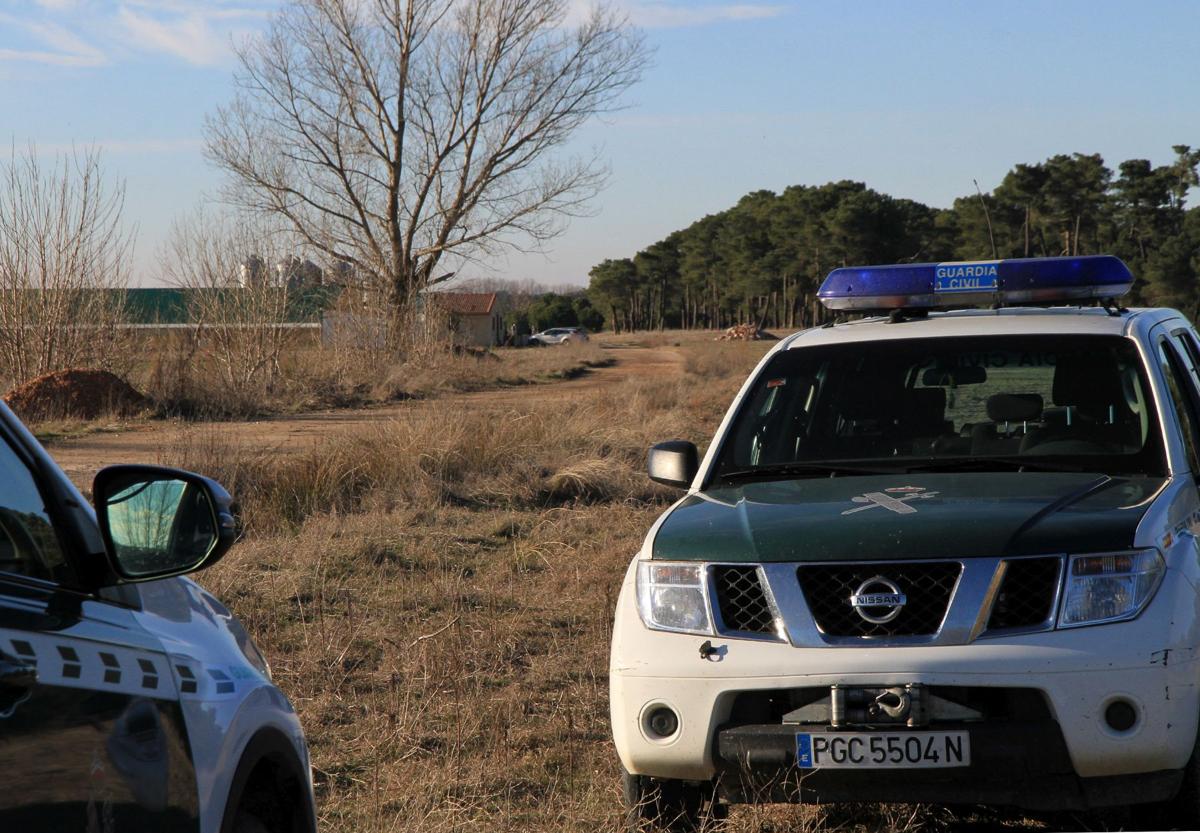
1074, 756
1019, 764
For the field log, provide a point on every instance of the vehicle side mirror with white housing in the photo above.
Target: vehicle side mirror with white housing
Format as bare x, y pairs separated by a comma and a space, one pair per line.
673, 463
160, 522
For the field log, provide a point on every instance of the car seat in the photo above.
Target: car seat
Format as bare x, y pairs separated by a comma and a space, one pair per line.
1010, 415
1095, 414
923, 420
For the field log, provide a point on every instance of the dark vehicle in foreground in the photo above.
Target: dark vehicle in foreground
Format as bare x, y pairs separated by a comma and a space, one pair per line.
131, 699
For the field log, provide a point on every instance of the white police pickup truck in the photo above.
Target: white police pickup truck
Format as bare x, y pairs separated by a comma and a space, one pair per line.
945, 555
130, 698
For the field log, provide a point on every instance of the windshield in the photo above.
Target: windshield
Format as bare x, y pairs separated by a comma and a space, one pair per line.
1004, 403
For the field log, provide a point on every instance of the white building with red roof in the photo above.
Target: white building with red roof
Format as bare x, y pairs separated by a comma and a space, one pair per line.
476, 318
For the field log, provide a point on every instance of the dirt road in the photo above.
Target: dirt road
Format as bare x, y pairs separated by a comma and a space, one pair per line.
144, 441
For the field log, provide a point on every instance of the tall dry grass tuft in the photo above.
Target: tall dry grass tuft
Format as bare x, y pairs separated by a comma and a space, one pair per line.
306, 375
589, 451
722, 360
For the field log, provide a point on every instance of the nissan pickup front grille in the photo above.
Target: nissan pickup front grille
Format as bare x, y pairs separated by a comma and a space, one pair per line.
742, 601
879, 599
1027, 594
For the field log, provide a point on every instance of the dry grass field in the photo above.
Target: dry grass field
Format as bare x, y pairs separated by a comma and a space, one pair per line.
433, 586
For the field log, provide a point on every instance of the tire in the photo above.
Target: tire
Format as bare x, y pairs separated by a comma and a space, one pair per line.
246, 823
665, 805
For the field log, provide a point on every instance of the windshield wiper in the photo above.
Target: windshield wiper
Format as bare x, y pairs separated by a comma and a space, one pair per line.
1012, 462
830, 468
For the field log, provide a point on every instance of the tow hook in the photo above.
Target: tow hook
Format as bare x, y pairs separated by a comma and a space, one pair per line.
894, 703
707, 651
868, 706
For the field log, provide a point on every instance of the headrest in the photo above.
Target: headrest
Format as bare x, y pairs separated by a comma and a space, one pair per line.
925, 404
1014, 407
1087, 380
867, 399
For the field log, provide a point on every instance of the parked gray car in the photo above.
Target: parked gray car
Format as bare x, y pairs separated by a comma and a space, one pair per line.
559, 335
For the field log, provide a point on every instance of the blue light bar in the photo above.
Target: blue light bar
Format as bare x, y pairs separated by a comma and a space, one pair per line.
1038, 280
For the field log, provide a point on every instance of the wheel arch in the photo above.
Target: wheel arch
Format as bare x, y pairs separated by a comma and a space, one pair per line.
269, 763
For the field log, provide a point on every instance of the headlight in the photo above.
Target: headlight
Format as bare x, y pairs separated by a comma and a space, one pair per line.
1110, 587
673, 597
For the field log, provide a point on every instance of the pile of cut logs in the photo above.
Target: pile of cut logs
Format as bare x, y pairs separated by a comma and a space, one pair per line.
744, 332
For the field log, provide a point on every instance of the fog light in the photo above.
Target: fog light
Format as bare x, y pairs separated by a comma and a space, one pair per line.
662, 722
1121, 715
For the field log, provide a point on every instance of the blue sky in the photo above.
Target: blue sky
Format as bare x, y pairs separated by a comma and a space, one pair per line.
914, 98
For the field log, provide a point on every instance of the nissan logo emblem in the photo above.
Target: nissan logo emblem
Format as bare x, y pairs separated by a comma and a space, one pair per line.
878, 600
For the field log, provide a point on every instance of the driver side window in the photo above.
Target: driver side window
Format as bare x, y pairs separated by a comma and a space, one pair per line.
28, 543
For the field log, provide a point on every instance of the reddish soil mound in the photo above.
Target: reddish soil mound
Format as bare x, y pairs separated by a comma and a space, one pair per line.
74, 394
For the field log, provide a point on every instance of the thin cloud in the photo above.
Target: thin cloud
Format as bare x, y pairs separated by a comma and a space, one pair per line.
34, 56
664, 15
188, 37
52, 44
210, 9
654, 15
118, 147
90, 33
199, 32
65, 41
140, 146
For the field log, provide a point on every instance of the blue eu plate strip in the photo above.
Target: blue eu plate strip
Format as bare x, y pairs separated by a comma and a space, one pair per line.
804, 751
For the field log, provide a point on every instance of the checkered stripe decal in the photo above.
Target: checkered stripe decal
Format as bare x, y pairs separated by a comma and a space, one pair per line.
112, 668
80, 663
101, 666
187, 679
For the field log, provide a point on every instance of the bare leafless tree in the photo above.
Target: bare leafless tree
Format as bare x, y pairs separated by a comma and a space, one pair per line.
403, 134
64, 263
241, 291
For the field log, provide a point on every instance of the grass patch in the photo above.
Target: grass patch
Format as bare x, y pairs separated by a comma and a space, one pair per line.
57, 430
575, 452
462, 372
307, 376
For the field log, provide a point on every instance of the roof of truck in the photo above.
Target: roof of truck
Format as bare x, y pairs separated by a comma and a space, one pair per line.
978, 322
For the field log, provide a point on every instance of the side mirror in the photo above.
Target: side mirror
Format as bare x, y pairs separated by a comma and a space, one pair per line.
159, 522
673, 463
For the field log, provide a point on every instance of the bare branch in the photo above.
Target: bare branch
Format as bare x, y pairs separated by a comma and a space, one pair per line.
396, 133
64, 263
244, 281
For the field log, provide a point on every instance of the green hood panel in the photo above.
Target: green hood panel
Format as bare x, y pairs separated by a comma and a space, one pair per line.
932, 516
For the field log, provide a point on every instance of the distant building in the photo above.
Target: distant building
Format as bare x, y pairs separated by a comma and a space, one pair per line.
476, 318
297, 275
252, 272
343, 315
173, 307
